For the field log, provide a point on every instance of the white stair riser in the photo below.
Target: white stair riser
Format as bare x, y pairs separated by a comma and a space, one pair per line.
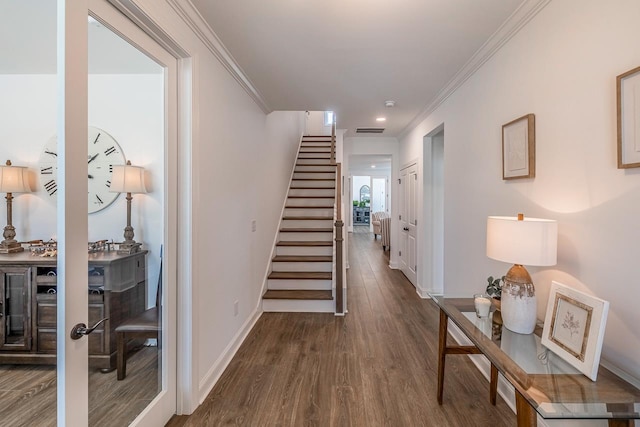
315, 184
314, 192
315, 168
305, 237
314, 175
305, 285
311, 148
313, 161
301, 266
317, 138
308, 212
297, 306
304, 155
304, 250
310, 202
306, 223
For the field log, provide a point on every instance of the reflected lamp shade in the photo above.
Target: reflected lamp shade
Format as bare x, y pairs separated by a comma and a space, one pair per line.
519, 240
127, 179
14, 179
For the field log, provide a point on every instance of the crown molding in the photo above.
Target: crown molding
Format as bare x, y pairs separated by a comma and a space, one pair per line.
518, 19
194, 20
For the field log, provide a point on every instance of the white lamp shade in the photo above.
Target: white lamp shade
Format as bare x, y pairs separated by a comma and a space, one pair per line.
531, 241
14, 179
127, 179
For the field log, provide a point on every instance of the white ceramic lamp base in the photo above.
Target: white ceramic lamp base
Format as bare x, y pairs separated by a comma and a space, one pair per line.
519, 313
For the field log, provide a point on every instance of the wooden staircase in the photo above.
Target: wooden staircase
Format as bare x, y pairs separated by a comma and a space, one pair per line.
301, 277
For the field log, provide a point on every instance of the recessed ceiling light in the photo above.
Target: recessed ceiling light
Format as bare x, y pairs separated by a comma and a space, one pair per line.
373, 166
381, 119
389, 104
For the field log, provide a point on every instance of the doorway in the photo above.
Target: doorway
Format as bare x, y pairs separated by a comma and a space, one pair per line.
408, 253
433, 211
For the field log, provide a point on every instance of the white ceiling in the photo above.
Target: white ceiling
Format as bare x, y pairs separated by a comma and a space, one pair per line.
346, 56
360, 164
351, 56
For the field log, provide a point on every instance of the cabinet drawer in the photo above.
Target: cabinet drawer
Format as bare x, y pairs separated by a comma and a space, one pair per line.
47, 314
47, 341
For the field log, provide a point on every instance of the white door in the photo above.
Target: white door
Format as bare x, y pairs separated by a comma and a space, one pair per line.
72, 401
408, 222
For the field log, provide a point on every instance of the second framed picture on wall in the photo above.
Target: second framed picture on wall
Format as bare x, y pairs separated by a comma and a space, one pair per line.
519, 148
628, 94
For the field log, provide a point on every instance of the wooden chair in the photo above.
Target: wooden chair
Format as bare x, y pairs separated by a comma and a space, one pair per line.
145, 325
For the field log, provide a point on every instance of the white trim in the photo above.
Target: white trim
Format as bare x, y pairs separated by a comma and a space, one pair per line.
422, 292
194, 20
518, 19
215, 372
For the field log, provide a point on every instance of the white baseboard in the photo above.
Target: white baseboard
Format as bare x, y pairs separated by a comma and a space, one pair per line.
422, 293
394, 265
213, 375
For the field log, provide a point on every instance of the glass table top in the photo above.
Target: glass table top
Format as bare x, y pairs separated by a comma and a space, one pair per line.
552, 386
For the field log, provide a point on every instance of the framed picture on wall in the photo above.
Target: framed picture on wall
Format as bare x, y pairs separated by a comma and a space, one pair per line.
574, 327
519, 148
628, 109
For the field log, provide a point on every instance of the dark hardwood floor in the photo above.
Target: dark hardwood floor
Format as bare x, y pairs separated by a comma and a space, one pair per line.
28, 393
374, 367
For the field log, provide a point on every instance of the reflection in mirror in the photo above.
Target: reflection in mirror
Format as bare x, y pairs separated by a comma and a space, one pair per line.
365, 194
27, 120
126, 114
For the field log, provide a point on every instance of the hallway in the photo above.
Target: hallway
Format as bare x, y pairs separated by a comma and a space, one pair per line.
374, 367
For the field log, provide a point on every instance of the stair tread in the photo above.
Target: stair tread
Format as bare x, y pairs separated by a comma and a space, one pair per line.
311, 197
304, 243
306, 230
313, 179
303, 258
311, 188
296, 171
298, 294
305, 218
309, 207
314, 164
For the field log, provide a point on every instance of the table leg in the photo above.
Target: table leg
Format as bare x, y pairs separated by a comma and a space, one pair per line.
525, 414
493, 385
442, 345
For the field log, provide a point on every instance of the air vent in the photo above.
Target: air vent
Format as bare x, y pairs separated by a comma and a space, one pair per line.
369, 130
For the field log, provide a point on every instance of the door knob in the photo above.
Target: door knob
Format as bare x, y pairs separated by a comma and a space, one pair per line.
79, 330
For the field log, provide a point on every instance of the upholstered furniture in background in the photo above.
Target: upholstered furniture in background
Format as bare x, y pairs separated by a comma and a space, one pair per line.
375, 222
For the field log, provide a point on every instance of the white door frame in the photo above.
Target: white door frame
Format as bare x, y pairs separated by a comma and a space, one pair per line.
432, 247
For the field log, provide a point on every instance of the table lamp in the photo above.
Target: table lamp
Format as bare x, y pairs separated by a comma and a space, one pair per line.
128, 179
13, 179
519, 240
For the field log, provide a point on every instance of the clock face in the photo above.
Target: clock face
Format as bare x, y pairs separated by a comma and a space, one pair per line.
104, 152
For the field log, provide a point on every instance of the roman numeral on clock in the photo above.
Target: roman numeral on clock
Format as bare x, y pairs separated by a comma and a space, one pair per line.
100, 202
51, 187
108, 183
110, 150
46, 171
96, 140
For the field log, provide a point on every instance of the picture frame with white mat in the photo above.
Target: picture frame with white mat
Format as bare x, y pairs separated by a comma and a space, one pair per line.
574, 327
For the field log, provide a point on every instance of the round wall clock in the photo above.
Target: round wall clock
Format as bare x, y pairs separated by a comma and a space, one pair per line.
104, 152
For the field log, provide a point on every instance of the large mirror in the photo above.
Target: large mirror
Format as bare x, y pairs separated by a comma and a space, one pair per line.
365, 195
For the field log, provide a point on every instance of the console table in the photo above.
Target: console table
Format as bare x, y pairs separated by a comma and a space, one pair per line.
543, 382
117, 287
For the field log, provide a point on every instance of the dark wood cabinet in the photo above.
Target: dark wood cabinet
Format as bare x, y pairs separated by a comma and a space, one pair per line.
117, 287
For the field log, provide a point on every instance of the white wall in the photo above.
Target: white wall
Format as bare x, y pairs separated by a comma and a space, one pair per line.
131, 109
561, 66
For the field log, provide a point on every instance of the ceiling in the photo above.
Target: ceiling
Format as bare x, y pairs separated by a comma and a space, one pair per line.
363, 164
345, 56
351, 56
